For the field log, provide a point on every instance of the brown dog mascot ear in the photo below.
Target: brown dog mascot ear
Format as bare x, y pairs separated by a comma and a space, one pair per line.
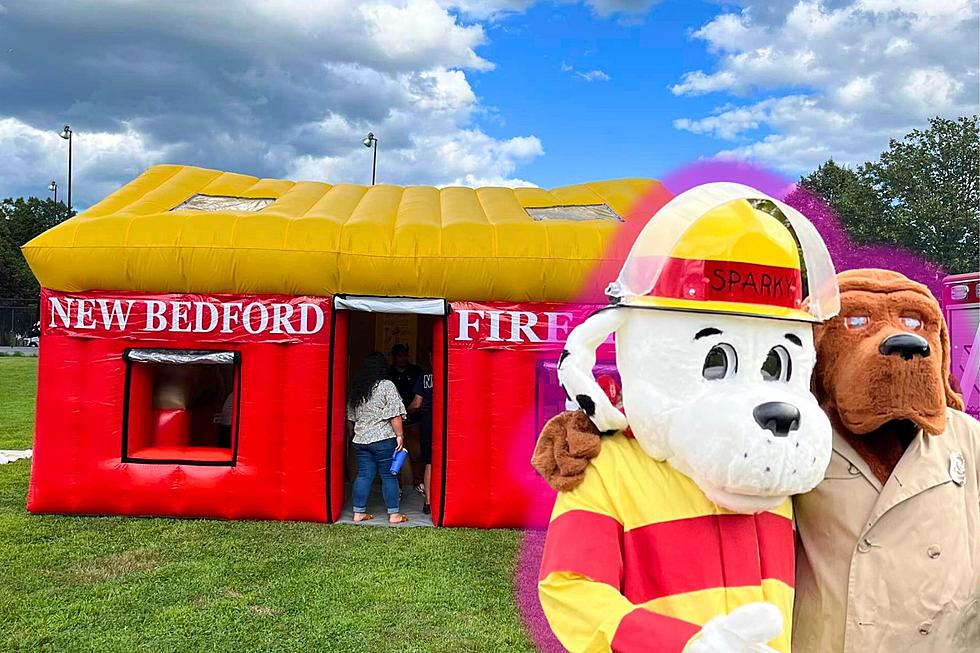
566, 445
883, 365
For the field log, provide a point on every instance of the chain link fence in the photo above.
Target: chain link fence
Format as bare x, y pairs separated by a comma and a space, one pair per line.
19, 326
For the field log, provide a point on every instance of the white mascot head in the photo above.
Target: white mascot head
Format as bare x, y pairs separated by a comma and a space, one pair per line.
714, 346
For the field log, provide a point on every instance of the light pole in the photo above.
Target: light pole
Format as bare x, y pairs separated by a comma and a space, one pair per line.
53, 187
370, 141
66, 134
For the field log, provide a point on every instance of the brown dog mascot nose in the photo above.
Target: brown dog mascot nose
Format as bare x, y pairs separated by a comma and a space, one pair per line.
875, 364
906, 345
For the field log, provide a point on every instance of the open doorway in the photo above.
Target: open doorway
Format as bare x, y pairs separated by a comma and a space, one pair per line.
406, 332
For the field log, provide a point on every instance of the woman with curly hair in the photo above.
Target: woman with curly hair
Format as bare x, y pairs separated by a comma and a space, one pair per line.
374, 414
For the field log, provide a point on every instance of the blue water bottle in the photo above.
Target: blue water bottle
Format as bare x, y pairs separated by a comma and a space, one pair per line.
397, 461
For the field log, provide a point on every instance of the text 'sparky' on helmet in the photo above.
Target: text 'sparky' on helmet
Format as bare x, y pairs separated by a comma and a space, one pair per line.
710, 250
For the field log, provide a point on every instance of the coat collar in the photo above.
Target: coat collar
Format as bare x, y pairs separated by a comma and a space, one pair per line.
854, 459
924, 465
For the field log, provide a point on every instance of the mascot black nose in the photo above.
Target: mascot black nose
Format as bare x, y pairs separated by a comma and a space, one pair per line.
906, 345
778, 417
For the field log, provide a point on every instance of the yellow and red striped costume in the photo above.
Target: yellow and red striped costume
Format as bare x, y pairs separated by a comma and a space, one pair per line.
637, 558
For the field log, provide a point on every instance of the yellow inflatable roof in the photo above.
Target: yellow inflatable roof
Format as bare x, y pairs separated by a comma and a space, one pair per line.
186, 229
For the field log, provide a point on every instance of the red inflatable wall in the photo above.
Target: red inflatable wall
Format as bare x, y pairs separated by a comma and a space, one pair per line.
501, 389
275, 466
106, 445
338, 415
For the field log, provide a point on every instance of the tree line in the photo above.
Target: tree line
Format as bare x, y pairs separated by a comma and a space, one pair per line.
922, 194
22, 219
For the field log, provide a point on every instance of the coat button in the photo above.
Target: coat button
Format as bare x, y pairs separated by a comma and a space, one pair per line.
934, 551
925, 627
864, 545
852, 470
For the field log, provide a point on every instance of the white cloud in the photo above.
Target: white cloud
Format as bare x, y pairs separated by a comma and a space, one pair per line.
814, 80
482, 9
265, 87
765, 67
726, 33
897, 46
420, 27
806, 134
32, 157
728, 123
931, 91
439, 151
594, 75
856, 92
465, 157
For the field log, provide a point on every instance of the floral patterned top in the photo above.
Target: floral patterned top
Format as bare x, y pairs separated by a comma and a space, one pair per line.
372, 419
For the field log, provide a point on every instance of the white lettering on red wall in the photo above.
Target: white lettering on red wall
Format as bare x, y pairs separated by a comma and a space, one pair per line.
214, 318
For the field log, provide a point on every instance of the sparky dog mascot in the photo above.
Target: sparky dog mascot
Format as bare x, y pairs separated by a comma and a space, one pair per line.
679, 536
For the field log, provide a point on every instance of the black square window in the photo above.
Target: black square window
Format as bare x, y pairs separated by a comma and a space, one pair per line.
181, 406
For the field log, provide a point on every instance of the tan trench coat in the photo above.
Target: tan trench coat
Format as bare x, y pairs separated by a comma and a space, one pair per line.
893, 568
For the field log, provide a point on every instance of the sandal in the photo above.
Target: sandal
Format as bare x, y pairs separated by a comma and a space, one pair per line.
401, 519
367, 517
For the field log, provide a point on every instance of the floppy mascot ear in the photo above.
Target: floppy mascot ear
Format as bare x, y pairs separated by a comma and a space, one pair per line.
577, 361
953, 399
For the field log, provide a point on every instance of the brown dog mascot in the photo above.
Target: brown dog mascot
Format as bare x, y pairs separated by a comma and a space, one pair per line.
889, 542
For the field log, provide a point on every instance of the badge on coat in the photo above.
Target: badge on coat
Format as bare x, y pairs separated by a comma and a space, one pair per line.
957, 468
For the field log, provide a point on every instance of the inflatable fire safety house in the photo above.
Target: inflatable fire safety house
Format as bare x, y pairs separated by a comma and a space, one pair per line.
192, 294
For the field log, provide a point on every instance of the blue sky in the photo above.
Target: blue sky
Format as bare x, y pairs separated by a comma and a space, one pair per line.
473, 92
619, 127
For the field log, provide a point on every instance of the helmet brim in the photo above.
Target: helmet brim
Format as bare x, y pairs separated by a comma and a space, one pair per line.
720, 307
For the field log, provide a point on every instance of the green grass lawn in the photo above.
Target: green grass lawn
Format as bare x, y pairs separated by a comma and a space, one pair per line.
18, 386
121, 584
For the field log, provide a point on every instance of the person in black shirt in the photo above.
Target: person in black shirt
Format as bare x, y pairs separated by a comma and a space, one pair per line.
422, 402
404, 374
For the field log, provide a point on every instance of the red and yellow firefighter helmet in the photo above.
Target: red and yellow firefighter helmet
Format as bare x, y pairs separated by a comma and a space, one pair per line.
709, 249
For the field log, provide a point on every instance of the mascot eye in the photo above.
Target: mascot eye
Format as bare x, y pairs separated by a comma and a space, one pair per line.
720, 363
778, 366
856, 321
912, 322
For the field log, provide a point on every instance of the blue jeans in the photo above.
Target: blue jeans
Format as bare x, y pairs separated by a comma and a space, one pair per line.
371, 459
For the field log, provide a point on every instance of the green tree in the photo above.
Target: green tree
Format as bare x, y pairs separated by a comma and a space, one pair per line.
20, 220
923, 194
929, 183
854, 201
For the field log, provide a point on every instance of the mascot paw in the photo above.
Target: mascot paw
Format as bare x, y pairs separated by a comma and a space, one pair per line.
608, 418
743, 630
566, 445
